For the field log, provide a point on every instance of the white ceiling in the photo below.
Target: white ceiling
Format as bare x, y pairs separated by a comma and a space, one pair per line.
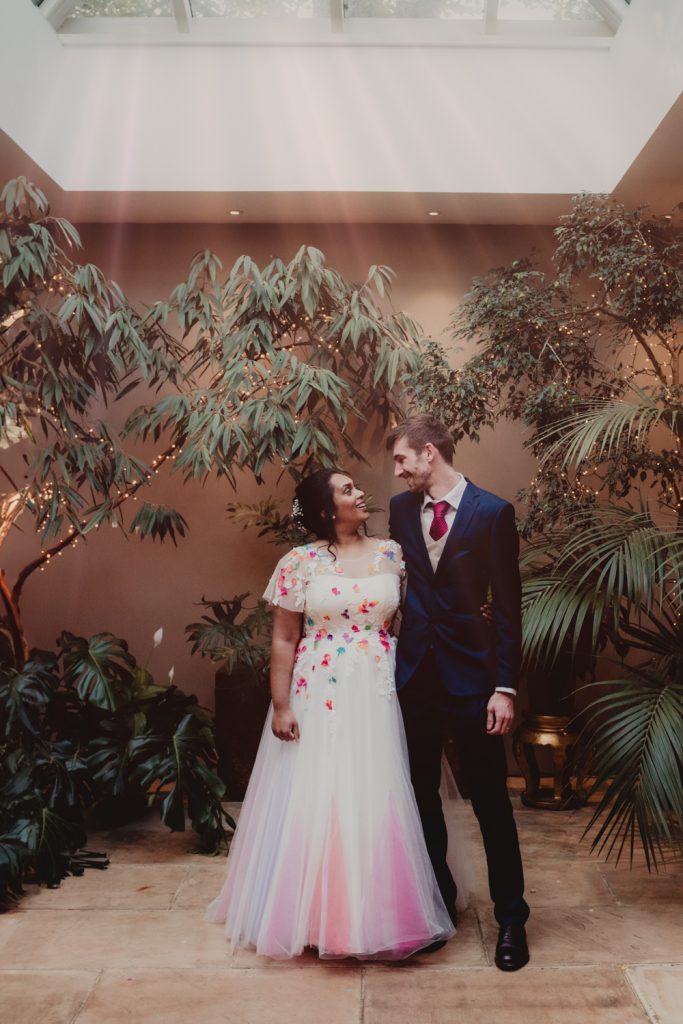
170, 134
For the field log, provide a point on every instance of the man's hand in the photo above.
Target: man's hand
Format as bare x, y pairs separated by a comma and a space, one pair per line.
500, 714
285, 725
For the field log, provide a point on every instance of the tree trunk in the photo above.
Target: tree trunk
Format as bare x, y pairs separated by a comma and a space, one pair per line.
11, 506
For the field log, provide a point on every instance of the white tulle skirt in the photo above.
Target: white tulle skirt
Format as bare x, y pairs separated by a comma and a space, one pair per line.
329, 851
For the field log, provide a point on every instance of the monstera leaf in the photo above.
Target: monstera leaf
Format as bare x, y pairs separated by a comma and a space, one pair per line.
25, 694
180, 768
100, 668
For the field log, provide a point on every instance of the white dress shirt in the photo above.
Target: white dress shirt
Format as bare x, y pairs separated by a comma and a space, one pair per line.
435, 547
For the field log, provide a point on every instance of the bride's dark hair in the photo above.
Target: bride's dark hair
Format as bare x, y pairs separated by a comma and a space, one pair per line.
316, 501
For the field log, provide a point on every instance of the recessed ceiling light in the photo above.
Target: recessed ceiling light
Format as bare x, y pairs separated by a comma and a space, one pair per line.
433, 213
234, 213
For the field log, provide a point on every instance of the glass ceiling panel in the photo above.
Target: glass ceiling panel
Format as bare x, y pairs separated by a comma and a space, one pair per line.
260, 8
442, 9
321, 21
547, 10
123, 9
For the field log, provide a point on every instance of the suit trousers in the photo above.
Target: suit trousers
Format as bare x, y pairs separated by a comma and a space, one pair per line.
431, 715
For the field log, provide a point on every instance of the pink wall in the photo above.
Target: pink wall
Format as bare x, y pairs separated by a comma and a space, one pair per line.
131, 588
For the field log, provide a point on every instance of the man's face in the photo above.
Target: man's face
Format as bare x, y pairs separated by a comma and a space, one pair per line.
413, 467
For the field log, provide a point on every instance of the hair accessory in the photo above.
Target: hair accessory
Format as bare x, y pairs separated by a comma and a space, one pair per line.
297, 514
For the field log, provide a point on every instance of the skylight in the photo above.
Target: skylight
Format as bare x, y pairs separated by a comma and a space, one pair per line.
337, 22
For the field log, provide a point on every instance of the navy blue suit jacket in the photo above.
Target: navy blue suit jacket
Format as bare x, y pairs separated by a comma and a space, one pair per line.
442, 608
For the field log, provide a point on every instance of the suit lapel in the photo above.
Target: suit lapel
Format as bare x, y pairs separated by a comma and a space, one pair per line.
466, 509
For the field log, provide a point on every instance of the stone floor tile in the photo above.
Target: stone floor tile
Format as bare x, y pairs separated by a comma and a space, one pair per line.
43, 997
115, 938
121, 886
616, 935
637, 885
201, 884
565, 884
224, 997
660, 990
530, 996
9, 922
550, 843
145, 844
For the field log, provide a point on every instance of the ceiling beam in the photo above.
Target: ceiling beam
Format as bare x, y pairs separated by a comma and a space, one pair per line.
613, 11
337, 15
491, 17
183, 15
57, 11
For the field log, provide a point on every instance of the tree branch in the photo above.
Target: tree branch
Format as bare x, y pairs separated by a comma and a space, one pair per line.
46, 555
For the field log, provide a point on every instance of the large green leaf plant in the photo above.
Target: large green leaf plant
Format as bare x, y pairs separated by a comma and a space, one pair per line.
88, 728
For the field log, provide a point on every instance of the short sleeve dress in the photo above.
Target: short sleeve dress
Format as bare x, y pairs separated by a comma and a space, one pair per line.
329, 850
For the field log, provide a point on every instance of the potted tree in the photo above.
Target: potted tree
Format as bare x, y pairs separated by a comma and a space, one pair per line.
85, 724
589, 359
275, 365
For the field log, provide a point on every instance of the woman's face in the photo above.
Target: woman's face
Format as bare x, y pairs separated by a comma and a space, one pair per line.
350, 510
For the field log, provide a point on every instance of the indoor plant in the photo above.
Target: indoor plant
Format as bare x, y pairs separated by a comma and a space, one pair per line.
588, 357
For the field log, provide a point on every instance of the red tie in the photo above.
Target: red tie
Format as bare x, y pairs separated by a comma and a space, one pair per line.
439, 525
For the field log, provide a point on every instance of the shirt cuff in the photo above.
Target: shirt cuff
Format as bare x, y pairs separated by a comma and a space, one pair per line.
506, 689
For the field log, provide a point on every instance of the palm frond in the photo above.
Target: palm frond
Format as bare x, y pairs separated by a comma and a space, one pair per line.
597, 429
635, 752
626, 554
615, 565
557, 613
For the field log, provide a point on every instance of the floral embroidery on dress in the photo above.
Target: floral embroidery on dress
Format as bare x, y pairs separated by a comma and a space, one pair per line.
347, 612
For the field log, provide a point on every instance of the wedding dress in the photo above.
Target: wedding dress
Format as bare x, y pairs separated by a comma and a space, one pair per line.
329, 850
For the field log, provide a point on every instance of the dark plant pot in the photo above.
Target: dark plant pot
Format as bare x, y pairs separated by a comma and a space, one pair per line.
241, 707
551, 689
115, 811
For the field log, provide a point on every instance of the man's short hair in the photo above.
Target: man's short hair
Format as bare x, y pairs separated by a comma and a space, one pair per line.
421, 430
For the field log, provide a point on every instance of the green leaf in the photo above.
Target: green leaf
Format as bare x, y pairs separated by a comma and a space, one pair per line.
100, 668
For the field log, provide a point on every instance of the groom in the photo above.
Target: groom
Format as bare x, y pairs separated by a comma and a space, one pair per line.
456, 673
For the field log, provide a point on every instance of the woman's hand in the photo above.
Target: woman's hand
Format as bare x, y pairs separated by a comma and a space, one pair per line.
285, 725
286, 636
487, 612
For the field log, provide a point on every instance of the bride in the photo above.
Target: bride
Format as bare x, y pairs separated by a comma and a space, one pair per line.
329, 851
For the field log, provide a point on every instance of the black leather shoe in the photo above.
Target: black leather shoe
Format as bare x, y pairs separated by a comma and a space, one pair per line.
512, 951
432, 948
